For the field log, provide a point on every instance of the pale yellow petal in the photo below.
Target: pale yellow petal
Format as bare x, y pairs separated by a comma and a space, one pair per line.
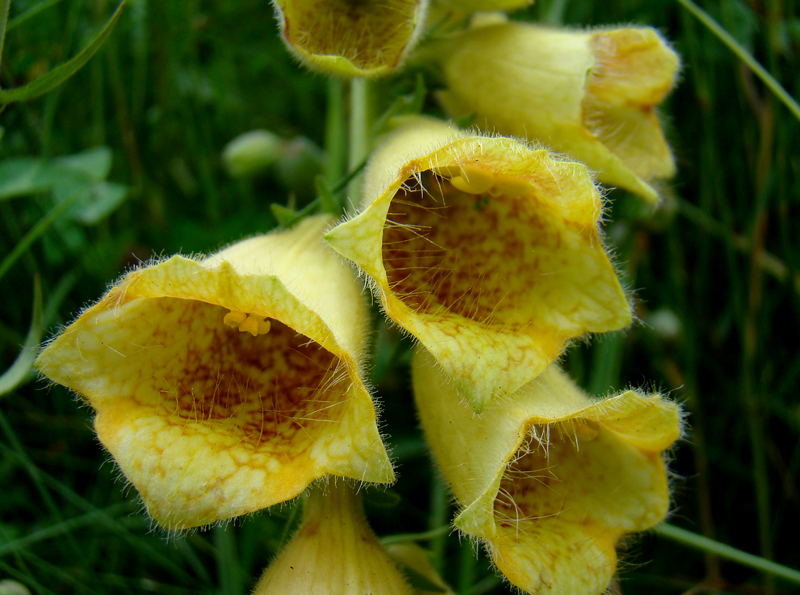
550, 479
208, 421
486, 250
588, 94
350, 38
333, 552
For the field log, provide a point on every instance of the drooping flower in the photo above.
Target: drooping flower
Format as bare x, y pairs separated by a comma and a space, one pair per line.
350, 37
550, 480
333, 552
485, 250
227, 384
589, 94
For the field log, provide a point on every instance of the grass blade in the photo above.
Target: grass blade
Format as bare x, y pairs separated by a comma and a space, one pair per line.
727, 552
48, 82
19, 370
745, 56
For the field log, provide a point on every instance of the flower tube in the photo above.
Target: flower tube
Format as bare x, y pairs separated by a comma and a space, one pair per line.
550, 480
333, 552
227, 384
350, 38
589, 94
485, 250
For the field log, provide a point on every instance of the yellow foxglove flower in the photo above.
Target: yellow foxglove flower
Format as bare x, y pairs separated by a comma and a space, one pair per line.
350, 38
333, 553
484, 249
589, 94
551, 479
227, 384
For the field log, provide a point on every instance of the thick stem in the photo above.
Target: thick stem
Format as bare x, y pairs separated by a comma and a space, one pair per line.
361, 118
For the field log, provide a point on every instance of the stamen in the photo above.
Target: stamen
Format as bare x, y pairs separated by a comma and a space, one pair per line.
234, 319
250, 323
473, 180
510, 186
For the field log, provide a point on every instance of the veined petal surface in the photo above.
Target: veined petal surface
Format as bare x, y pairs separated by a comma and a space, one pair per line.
484, 249
589, 94
549, 479
351, 38
333, 553
228, 384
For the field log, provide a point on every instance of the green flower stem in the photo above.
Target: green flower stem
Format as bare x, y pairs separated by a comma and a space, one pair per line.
467, 568
745, 56
361, 118
437, 517
228, 567
727, 552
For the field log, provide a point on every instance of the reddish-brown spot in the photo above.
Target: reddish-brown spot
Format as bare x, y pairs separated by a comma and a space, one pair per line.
266, 388
474, 255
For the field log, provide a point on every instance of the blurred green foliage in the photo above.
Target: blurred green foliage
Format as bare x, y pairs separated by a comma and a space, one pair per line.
134, 142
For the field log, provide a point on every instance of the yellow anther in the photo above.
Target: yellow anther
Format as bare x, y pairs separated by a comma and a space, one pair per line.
510, 186
234, 319
249, 323
473, 180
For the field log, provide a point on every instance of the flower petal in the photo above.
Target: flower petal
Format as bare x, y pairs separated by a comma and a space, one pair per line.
206, 420
550, 479
589, 94
350, 38
334, 551
486, 250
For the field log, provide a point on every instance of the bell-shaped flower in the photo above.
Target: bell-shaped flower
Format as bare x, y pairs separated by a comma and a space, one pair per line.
334, 552
226, 384
351, 38
589, 94
485, 250
549, 479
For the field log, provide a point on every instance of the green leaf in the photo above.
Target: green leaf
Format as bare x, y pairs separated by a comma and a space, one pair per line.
94, 162
19, 370
49, 81
328, 200
404, 105
30, 13
24, 175
29, 175
418, 581
284, 216
97, 202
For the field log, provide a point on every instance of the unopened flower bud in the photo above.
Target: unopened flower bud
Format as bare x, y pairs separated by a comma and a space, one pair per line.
333, 553
252, 152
